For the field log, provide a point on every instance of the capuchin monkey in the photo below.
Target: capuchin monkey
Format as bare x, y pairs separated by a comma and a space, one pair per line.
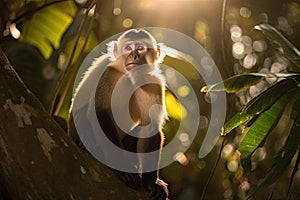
132, 59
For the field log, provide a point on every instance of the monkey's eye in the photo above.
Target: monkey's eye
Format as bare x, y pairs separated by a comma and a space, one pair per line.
128, 48
140, 47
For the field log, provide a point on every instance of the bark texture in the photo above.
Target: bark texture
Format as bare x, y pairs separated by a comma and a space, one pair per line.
38, 160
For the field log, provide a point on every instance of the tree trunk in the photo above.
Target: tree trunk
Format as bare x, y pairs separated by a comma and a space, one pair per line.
38, 160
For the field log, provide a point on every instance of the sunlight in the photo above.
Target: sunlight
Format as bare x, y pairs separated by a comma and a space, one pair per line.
249, 60
201, 30
92, 11
238, 50
117, 11
183, 91
233, 165
81, 2
181, 158
174, 108
117, 7
184, 139
14, 31
203, 122
209, 57
127, 23
227, 151
245, 12
236, 33
259, 45
164, 4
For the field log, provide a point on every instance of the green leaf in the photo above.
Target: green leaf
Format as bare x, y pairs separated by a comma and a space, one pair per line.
296, 168
47, 26
283, 158
237, 120
69, 45
290, 51
246, 163
263, 125
234, 83
260, 103
296, 107
264, 100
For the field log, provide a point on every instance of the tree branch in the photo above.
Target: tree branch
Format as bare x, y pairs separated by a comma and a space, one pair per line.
38, 160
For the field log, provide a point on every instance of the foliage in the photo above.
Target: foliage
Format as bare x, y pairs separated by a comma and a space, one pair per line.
67, 44
47, 26
60, 33
261, 115
277, 38
234, 83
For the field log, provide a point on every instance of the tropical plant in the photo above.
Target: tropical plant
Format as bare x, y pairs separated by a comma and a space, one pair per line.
261, 114
60, 33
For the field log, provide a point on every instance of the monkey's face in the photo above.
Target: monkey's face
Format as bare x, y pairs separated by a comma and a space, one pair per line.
137, 53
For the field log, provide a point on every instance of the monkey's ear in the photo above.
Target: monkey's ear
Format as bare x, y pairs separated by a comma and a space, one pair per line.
112, 50
115, 51
157, 52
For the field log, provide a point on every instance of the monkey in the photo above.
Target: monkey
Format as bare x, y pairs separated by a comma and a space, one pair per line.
131, 60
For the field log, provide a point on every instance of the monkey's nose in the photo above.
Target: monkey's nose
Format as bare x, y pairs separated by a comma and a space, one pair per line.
134, 55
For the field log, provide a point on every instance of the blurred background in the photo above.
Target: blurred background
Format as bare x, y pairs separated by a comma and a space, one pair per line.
47, 40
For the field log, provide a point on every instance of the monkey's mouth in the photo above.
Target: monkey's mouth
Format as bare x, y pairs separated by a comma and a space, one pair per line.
130, 66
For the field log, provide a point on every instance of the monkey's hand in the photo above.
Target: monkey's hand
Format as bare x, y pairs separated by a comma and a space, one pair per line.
159, 190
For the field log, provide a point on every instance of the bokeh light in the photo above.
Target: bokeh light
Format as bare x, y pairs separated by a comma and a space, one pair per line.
14, 31
249, 61
233, 165
81, 2
117, 11
203, 122
236, 33
184, 139
127, 23
181, 158
117, 7
183, 91
238, 50
227, 151
245, 12
259, 45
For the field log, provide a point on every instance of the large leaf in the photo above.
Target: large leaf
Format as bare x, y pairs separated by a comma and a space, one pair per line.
296, 107
295, 170
47, 26
295, 115
234, 83
19, 8
263, 125
174, 108
290, 51
283, 157
237, 120
264, 100
91, 43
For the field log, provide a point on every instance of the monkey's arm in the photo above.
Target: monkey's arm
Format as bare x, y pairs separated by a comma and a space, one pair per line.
111, 129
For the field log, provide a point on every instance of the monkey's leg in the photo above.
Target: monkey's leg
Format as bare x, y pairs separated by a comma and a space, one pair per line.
133, 180
149, 102
158, 188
